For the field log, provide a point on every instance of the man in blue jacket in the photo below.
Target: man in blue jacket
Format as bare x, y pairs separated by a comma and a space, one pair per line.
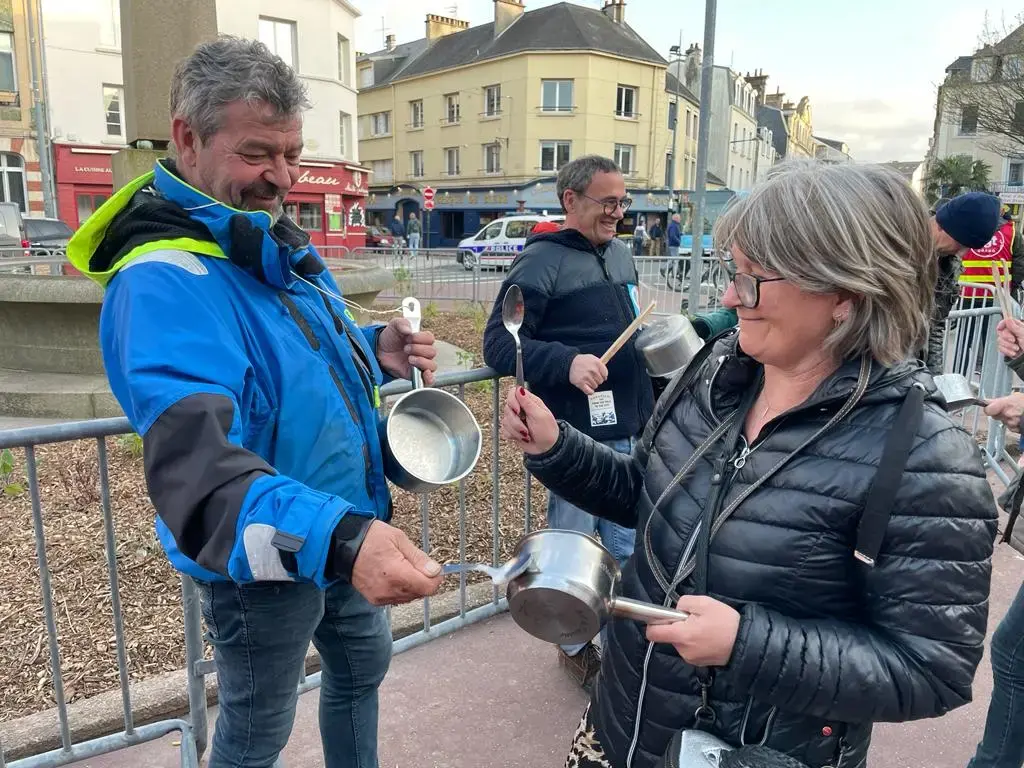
580, 290
231, 352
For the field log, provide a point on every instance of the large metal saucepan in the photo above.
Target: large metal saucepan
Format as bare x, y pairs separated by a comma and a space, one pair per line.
668, 345
570, 588
433, 439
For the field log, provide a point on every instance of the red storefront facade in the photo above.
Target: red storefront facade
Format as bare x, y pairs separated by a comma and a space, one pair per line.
328, 201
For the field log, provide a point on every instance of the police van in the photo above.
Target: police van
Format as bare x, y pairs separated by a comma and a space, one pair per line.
498, 244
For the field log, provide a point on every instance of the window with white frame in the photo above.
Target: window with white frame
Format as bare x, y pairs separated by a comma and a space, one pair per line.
383, 170
344, 60
981, 70
554, 154
492, 158
279, 36
969, 120
452, 108
416, 169
452, 166
8, 71
1013, 67
416, 113
110, 23
492, 101
626, 101
12, 180
344, 132
556, 95
366, 76
113, 108
373, 125
624, 158
1015, 173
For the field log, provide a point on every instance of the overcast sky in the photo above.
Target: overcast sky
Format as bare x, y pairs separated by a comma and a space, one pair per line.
869, 69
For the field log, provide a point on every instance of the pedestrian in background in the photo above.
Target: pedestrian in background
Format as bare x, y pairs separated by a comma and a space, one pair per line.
414, 230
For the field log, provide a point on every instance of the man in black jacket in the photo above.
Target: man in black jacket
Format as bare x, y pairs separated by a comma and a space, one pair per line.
580, 289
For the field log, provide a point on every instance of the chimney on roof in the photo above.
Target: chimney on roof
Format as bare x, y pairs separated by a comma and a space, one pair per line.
389, 42
505, 13
439, 26
615, 10
759, 82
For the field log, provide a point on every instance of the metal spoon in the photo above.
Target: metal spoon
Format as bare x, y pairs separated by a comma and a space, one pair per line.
512, 312
501, 575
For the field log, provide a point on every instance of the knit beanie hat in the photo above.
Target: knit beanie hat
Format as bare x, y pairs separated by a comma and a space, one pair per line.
971, 218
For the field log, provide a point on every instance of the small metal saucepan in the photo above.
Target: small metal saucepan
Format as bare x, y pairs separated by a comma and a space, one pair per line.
668, 345
956, 390
433, 439
571, 587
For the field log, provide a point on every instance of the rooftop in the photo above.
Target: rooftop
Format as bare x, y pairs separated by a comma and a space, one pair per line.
558, 27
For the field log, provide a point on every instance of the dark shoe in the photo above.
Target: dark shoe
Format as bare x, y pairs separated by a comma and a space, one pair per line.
584, 666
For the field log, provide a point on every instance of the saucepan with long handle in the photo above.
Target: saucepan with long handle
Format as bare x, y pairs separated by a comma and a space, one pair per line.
957, 392
567, 586
433, 439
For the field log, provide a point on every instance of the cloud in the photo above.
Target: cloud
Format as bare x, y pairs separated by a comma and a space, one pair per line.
874, 130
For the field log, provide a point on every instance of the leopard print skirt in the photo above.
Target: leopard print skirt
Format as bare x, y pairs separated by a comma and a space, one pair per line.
586, 751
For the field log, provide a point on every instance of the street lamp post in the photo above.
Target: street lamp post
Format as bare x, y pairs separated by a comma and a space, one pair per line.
703, 131
677, 51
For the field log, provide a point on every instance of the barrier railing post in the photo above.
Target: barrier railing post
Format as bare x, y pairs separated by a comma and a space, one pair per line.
193, 664
115, 590
47, 594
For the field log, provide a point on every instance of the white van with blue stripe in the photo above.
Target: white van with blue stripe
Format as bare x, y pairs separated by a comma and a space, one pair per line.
498, 244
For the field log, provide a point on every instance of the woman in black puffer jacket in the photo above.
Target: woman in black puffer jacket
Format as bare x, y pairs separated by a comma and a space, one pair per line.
792, 641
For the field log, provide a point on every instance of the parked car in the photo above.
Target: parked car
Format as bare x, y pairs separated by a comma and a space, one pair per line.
498, 244
46, 237
377, 237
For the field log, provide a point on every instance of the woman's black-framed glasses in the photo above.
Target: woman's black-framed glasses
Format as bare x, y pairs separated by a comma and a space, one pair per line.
748, 286
612, 204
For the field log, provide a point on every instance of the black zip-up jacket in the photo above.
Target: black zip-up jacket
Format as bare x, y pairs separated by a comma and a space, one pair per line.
826, 645
578, 298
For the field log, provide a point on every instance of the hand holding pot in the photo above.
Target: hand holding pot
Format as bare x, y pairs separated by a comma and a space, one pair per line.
399, 349
1007, 409
390, 570
528, 423
707, 637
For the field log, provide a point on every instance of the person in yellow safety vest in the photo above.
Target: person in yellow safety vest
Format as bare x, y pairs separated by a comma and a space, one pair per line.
966, 221
978, 262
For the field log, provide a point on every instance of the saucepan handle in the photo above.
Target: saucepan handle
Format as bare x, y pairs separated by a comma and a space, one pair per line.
411, 312
647, 613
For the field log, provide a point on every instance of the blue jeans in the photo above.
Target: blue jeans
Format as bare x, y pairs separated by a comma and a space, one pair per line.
414, 242
617, 539
1002, 746
260, 634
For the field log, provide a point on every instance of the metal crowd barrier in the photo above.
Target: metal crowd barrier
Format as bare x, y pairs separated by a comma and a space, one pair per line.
666, 281
971, 349
193, 728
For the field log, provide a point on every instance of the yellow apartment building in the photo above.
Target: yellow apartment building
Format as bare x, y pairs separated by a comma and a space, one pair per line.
485, 116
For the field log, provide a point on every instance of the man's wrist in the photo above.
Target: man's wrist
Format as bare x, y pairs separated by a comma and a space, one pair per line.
346, 541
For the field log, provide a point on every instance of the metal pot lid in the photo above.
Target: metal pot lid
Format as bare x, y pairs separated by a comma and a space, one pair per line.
662, 332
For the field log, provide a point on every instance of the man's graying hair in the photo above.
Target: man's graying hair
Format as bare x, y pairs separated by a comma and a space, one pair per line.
231, 69
577, 174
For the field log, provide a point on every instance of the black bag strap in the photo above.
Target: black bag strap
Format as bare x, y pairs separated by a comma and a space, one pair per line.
878, 508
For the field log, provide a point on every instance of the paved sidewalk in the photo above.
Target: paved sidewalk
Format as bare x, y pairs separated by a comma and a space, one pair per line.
492, 695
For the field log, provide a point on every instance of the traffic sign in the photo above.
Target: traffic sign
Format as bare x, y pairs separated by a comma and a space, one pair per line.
428, 194
428, 203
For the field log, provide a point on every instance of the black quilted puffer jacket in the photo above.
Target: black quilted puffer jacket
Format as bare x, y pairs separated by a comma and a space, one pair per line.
826, 645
